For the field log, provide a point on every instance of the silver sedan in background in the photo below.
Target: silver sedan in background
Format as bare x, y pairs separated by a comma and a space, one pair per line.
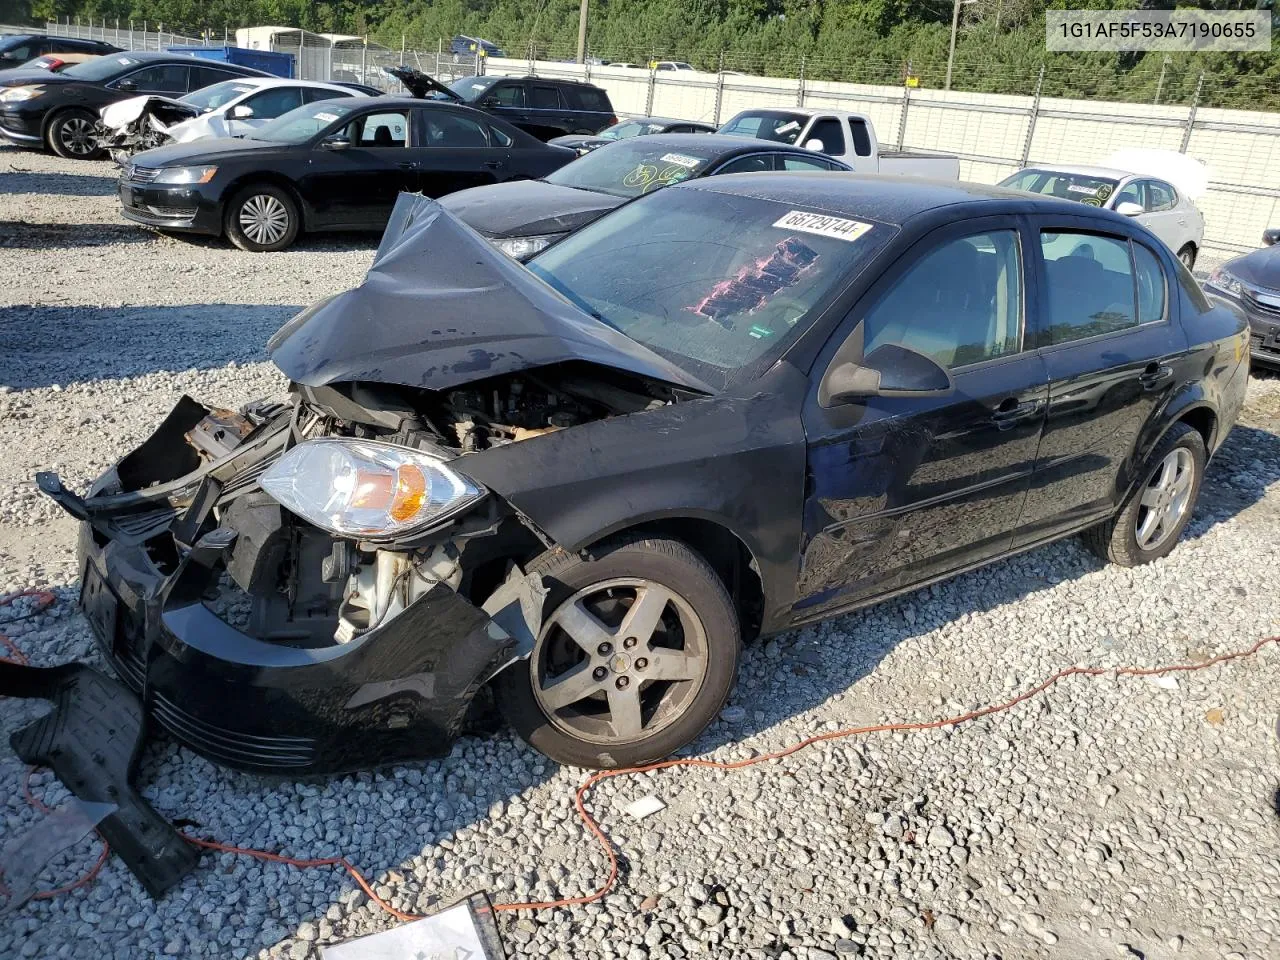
1156, 204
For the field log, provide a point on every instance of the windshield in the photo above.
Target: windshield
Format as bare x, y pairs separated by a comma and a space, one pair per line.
719, 284
300, 125
629, 168
103, 68
217, 95
780, 126
629, 128
469, 88
1094, 191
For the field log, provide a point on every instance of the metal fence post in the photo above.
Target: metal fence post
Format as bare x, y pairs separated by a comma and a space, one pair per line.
364, 60
1160, 83
1191, 116
719, 89
1031, 120
800, 87
653, 78
902, 116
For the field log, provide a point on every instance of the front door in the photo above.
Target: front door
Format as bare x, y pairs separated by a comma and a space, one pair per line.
902, 490
354, 176
457, 152
1112, 351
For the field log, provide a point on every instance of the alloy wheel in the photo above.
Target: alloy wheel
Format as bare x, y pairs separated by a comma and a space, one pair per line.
619, 660
77, 136
1166, 498
264, 219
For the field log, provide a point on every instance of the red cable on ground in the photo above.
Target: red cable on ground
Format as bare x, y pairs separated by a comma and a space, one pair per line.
590, 821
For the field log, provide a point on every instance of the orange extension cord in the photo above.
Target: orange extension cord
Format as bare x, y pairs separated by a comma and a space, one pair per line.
580, 797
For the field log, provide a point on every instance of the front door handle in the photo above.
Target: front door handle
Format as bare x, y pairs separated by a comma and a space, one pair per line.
1011, 411
493, 164
1155, 376
407, 165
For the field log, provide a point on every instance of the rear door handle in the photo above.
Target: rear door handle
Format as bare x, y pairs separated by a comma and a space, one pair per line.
407, 165
1155, 376
493, 164
1011, 412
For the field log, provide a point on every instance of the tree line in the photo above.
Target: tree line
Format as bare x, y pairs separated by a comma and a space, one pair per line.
1000, 48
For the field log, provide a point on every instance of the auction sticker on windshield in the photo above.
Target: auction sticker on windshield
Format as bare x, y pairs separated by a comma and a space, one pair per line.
327, 117
823, 225
681, 160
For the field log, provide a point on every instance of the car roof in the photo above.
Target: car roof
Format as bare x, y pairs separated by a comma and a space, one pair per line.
724, 143
886, 198
667, 120
266, 83
1086, 170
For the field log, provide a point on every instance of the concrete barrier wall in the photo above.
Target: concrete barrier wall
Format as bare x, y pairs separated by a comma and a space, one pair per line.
993, 134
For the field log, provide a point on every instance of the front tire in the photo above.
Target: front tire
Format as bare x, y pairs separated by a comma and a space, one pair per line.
1156, 512
262, 218
638, 653
73, 135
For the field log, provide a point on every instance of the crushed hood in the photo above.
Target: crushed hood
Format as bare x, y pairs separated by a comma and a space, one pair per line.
527, 208
441, 307
118, 116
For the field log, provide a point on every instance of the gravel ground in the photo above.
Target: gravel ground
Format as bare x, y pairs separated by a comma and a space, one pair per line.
1108, 818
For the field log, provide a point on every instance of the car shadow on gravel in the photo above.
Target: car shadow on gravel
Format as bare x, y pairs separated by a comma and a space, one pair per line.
307, 243
44, 346
24, 235
18, 180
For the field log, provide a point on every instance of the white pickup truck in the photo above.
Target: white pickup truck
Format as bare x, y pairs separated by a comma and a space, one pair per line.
846, 136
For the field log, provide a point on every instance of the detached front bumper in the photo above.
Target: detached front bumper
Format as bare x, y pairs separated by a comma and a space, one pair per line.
399, 691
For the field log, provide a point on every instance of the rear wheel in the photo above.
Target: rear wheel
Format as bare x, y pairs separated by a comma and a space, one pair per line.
638, 653
1188, 256
1157, 511
261, 218
73, 135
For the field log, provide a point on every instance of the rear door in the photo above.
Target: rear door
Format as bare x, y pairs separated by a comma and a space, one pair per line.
905, 489
548, 112
455, 151
1112, 353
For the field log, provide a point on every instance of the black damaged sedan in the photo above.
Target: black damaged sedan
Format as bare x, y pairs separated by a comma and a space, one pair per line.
728, 408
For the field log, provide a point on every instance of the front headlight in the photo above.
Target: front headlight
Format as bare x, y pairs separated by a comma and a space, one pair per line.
522, 248
185, 174
1226, 282
367, 488
18, 94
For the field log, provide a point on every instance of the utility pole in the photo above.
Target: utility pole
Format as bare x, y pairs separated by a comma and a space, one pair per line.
951, 56
582, 31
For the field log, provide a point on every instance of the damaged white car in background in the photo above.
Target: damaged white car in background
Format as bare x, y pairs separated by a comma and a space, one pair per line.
227, 109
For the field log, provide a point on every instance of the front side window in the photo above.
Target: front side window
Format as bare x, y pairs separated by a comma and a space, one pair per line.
1090, 286
1131, 192
508, 94
272, 103
960, 304
299, 126
718, 283
827, 129
376, 130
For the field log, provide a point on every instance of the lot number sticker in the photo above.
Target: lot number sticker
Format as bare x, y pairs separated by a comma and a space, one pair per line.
681, 160
823, 225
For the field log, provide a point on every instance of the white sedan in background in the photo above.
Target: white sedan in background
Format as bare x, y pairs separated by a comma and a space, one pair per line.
220, 110
1156, 204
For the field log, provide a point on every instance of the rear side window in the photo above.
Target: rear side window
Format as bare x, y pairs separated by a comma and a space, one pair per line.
162, 78
788, 161
544, 97
756, 163
861, 138
827, 129
203, 76
595, 100
312, 94
1151, 285
449, 130
959, 304
1090, 286
1160, 196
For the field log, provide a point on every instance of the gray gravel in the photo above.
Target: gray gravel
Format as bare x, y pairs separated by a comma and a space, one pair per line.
1109, 818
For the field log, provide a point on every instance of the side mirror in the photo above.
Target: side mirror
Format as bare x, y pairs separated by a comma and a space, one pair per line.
1270, 237
241, 111
816, 145
888, 371
1128, 208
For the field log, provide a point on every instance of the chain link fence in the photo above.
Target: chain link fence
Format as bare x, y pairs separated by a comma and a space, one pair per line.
1021, 118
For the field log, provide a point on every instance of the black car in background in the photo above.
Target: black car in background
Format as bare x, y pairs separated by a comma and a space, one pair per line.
1252, 282
723, 411
523, 218
17, 49
60, 110
632, 127
543, 107
332, 165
